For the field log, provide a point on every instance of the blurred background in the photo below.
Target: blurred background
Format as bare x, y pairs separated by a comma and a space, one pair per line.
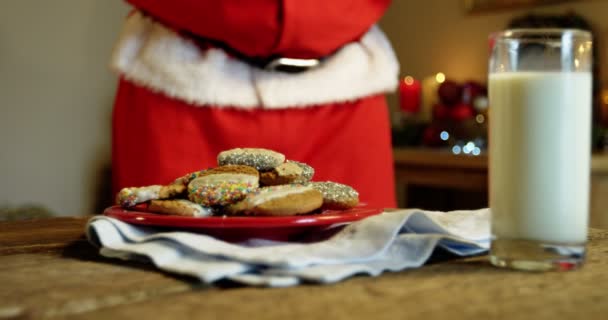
56, 94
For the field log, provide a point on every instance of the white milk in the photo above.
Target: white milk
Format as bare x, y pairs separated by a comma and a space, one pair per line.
540, 131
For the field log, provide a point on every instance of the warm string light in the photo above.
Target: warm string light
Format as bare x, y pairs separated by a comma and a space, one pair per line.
440, 77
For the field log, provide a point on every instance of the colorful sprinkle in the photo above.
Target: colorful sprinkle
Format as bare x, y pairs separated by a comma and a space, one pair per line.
219, 193
129, 197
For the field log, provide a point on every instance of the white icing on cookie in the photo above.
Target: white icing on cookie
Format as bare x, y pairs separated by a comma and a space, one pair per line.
198, 210
129, 197
271, 193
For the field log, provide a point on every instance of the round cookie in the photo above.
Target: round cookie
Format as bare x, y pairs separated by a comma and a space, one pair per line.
285, 173
223, 185
179, 207
284, 200
261, 159
307, 172
185, 179
290, 172
337, 196
229, 169
128, 197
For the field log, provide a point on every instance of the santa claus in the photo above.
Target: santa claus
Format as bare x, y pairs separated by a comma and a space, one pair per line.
305, 78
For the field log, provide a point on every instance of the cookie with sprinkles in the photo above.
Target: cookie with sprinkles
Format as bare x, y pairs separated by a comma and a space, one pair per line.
224, 185
285, 173
261, 159
283, 200
336, 196
128, 197
179, 207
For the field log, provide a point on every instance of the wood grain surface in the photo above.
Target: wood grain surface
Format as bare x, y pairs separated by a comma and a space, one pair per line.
47, 270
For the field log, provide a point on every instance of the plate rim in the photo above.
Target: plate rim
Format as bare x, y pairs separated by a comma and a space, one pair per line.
329, 217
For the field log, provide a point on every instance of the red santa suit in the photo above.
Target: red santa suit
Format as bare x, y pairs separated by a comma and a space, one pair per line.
191, 86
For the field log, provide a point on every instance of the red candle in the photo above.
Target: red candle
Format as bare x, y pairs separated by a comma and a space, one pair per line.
409, 95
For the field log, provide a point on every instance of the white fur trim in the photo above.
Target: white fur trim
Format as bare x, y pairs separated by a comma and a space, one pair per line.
153, 56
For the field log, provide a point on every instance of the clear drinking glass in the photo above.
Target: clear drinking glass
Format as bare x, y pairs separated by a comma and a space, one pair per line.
539, 148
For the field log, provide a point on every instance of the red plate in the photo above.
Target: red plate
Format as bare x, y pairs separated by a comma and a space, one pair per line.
242, 228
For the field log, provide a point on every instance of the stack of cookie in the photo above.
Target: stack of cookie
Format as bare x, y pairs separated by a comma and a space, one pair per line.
247, 181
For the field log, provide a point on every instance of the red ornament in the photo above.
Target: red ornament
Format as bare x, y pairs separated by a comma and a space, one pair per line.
462, 112
409, 95
450, 92
432, 136
441, 112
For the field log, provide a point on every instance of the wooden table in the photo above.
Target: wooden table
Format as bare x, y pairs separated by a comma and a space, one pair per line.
48, 270
443, 169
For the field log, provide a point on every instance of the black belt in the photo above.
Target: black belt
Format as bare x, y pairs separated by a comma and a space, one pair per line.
291, 65
272, 63
277, 63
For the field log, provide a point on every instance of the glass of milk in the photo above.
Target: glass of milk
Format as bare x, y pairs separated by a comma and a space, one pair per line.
539, 147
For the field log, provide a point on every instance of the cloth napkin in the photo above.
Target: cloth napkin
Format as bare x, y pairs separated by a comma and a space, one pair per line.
391, 241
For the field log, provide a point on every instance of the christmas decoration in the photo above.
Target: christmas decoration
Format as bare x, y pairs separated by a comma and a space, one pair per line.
459, 118
409, 95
